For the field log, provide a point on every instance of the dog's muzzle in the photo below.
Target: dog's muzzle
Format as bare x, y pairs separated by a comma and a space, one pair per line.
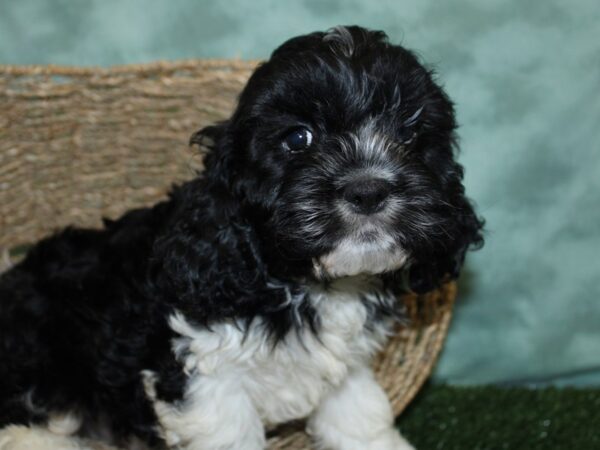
368, 195
368, 246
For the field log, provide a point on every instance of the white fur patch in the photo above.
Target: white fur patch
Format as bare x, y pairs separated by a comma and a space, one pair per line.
356, 416
64, 424
238, 382
352, 256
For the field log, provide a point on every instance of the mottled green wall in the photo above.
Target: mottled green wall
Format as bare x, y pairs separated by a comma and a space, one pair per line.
526, 79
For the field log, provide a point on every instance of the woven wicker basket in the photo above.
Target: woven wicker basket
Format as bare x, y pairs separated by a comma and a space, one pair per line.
77, 145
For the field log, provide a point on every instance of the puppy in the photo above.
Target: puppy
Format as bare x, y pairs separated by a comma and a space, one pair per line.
259, 291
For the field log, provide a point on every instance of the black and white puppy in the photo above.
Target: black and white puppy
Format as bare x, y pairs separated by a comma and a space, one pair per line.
259, 291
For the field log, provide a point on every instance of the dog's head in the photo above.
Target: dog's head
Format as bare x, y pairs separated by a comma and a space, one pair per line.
341, 154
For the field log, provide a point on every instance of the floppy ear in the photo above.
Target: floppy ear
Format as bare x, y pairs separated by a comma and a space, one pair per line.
464, 232
454, 225
216, 143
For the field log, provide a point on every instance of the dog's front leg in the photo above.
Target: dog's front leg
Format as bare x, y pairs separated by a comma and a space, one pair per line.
356, 416
216, 414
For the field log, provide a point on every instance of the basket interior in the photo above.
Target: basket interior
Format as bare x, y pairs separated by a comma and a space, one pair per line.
77, 145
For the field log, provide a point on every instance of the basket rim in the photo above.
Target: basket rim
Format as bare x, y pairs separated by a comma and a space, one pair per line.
144, 67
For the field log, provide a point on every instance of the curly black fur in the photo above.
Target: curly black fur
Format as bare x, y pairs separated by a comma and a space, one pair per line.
87, 310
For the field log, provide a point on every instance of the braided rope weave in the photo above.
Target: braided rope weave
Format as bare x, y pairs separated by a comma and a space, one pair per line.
79, 144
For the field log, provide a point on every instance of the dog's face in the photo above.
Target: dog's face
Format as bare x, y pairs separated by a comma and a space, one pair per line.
341, 153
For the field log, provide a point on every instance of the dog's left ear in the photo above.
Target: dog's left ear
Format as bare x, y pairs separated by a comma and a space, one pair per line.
430, 271
458, 226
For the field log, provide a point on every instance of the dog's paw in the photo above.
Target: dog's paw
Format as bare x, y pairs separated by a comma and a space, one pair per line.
30, 438
16, 437
390, 440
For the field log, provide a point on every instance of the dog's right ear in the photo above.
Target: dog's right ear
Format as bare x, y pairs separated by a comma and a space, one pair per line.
208, 136
215, 143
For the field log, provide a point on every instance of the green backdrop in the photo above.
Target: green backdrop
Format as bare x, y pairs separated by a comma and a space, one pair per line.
525, 77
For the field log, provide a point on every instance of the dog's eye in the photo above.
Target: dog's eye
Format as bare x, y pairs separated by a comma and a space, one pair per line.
298, 140
409, 127
410, 139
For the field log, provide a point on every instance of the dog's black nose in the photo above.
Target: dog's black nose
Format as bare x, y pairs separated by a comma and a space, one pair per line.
367, 196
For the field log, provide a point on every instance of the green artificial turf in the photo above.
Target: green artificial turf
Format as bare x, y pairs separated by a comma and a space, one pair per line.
490, 418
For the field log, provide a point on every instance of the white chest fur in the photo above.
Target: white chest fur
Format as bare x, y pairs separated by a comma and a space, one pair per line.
288, 380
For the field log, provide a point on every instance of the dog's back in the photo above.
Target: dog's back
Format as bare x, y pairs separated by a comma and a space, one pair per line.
74, 321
